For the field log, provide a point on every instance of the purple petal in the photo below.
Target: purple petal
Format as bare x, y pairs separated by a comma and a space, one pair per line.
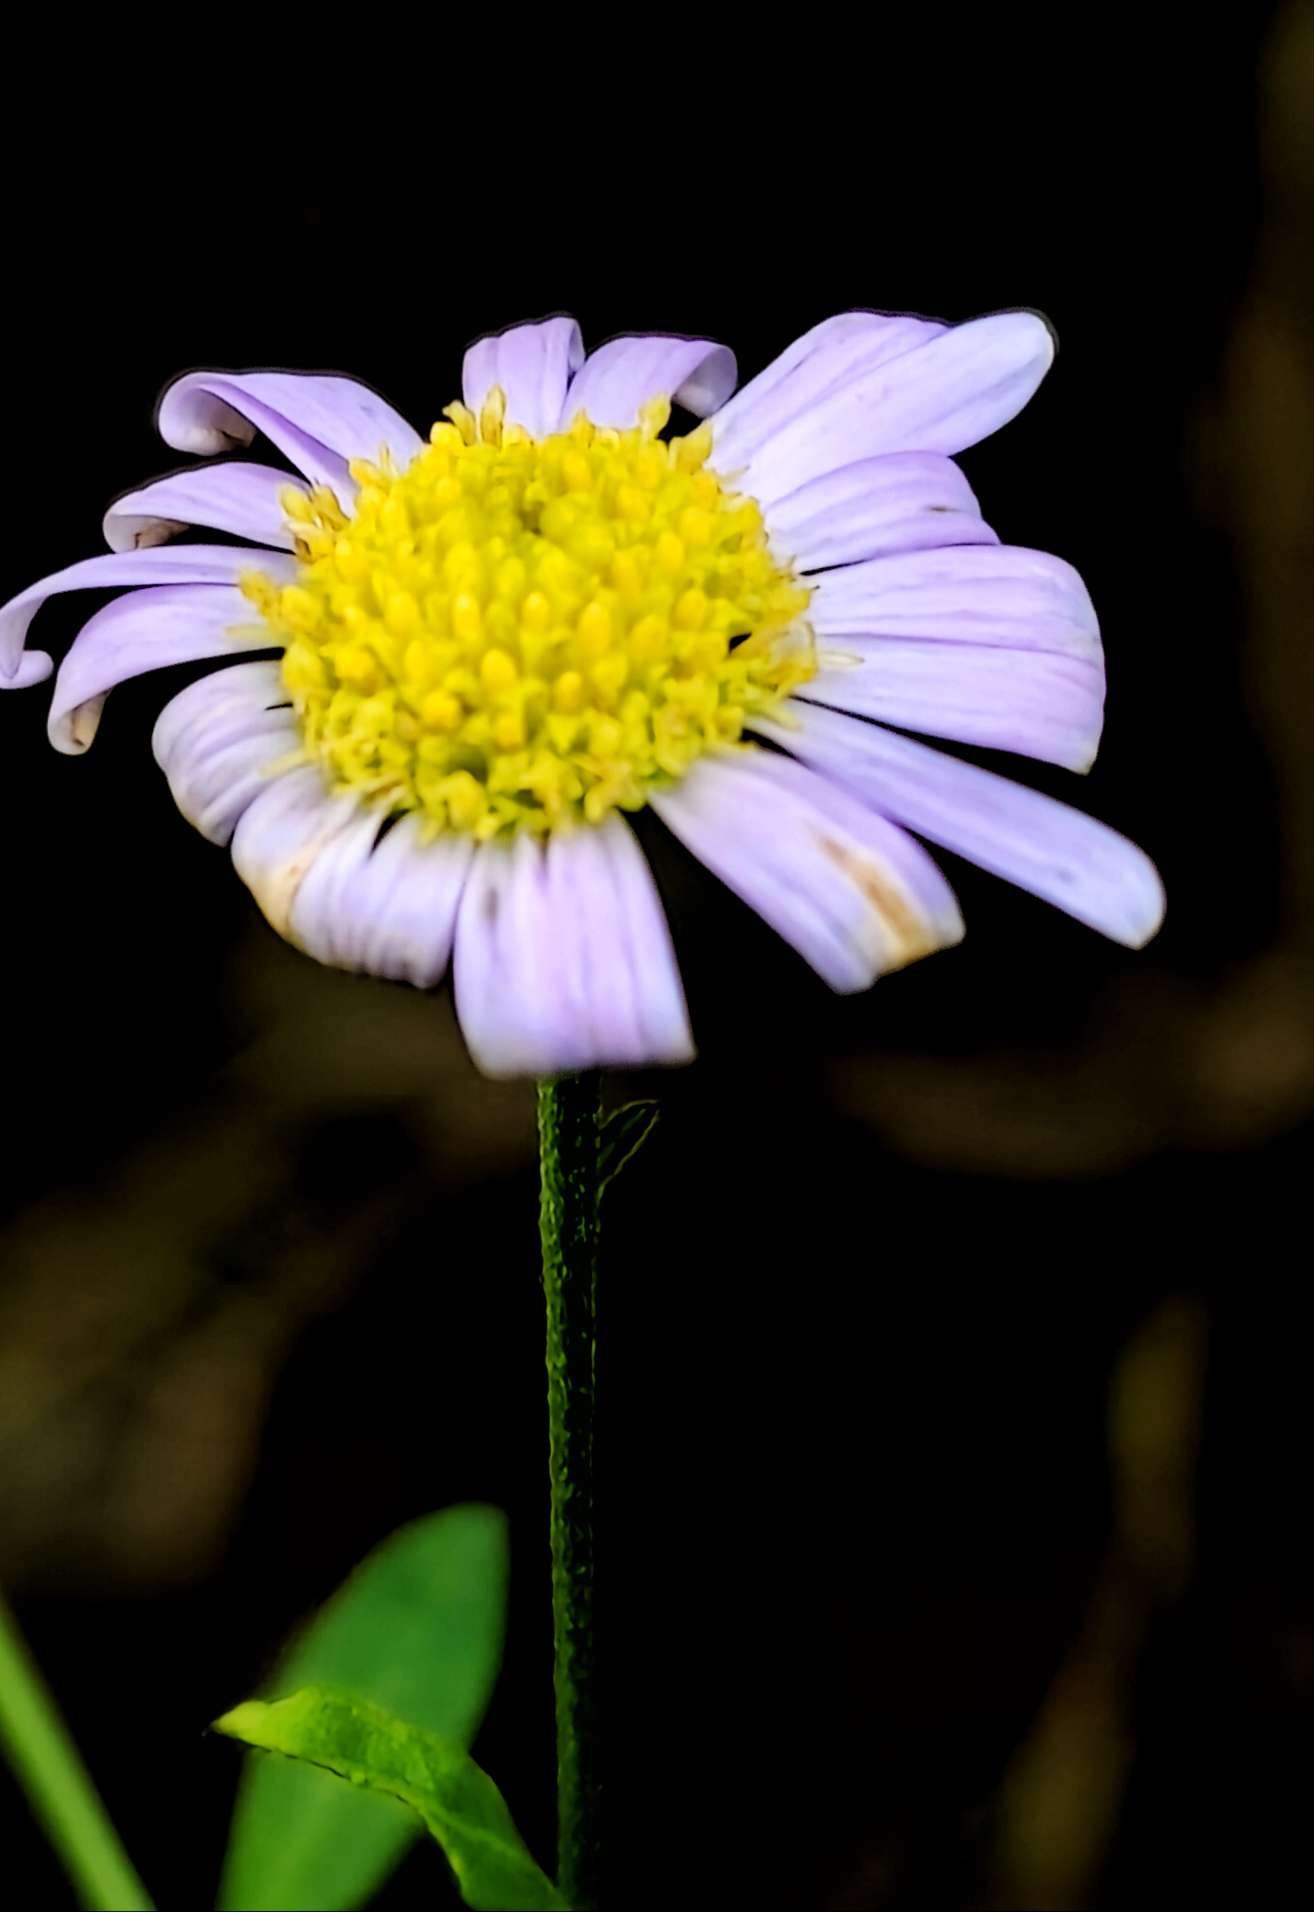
221, 740
280, 835
241, 499
1070, 860
563, 958
911, 501
815, 365
625, 373
224, 704
173, 624
198, 564
33, 667
965, 594
944, 395
1033, 702
318, 421
853, 894
532, 364
627, 980
384, 906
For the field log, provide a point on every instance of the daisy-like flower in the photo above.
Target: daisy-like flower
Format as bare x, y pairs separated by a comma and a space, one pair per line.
499, 641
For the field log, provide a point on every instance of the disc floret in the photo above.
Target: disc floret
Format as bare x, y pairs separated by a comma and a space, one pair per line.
516, 633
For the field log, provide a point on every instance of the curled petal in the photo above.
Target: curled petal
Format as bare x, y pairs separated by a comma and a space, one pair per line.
1057, 853
944, 395
33, 667
241, 499
220, 741
173, 624
563, 959
532, 364
625, 373
853, 894
910, 501
807, 372
317, 420
197, 564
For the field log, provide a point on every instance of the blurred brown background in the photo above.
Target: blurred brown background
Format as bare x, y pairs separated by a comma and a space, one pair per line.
956, 1423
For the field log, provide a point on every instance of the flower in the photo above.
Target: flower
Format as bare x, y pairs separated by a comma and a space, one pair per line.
499, 641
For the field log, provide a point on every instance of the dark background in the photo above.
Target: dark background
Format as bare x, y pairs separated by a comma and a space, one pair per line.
955, 1436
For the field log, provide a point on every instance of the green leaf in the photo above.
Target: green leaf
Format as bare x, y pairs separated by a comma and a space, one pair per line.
418, 1627
456, 1799
624, 1133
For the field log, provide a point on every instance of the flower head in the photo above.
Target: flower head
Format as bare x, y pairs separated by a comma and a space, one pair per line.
497, 641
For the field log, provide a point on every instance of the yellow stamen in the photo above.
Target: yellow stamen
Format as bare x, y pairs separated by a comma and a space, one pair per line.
497, 672
492, 415
441, 710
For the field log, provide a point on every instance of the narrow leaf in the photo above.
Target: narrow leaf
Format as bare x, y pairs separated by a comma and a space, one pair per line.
456, 1799
418, 1628
624, 1133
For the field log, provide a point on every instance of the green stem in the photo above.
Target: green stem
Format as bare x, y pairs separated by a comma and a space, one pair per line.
568, 1223
58, 1786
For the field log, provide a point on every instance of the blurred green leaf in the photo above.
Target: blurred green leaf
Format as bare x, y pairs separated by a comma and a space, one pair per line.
623, 1134
456, 1799
418, 1628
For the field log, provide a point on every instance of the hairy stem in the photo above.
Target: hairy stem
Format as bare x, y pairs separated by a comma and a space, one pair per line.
568, 1222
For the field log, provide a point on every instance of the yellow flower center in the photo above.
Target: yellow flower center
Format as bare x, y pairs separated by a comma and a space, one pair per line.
517, 633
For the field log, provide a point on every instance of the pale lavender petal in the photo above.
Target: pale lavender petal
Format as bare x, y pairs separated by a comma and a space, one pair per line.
33, 667
198, 564
964, 594
1034, 702
281, 834
532, 364
624, 982
563, 960
505, 966
223, 704
383, 905
319, 421
910, 501
241, 499
625, 373
944, 395
1069, 859
853, 894
172, 624
806, 372
220, 741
